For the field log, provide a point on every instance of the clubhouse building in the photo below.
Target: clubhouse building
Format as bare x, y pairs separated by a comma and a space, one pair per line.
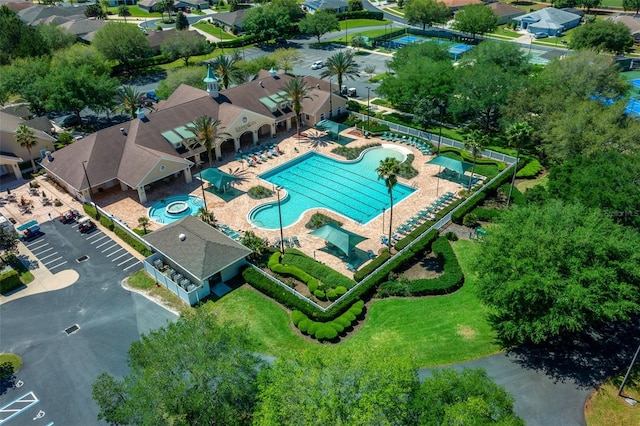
158, 145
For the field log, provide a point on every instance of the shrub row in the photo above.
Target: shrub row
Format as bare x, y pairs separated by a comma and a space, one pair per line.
328, 330
240, 41
90, 210
360, 14
478, 198
329, 278
10, 280
486, 215
450, 281
530, 170
468, 157
372, 266
292, 271
137, 245
107, 223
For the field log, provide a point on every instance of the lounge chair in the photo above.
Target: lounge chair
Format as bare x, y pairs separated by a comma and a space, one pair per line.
295, 241
371, 254
384, 136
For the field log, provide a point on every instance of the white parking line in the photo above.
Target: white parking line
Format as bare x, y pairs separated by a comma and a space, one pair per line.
43, 251
100, 239
17, 406
41, 258
127, 260
104, 244
51, 261
115, 252
29, 246
55, 266
110, 247
122, 255
135, 264
92, 236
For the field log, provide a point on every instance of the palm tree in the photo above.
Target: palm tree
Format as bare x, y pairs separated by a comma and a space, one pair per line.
388, 170
206, 130
27, 139
206, 216
297, 91
144, 222
227, 70
123, 10
475, 142
343, 65
518, 134
130, 98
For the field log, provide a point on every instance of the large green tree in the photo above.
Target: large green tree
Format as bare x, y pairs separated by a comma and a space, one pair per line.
17, 39
609, 181
25, 137
426, 12
286, 59
292, 7
557, 268
468, 397
121, 42
196, 371
268, 21
608, 36
208, 132
476, 19
631, 5
319, 23
388, 170
328, 389
184, 45
182, 23
341, 65
297, 91
589, 4
55, 37
191, 76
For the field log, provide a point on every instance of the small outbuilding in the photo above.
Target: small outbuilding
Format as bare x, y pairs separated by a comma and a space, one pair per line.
193, 259
550, 21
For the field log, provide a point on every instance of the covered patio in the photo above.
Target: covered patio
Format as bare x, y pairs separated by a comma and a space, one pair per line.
454, 170
341, 243
220, 180
334, 129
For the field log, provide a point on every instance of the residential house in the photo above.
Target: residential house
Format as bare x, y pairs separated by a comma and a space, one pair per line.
631, 22
505, 12
232, 22
313, 6
12, 154
549, 20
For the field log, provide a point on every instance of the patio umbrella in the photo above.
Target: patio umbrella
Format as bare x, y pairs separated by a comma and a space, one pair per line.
216, 177
339, 237
451, 164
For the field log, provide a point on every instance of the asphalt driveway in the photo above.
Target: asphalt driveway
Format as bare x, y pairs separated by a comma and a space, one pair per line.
103, 319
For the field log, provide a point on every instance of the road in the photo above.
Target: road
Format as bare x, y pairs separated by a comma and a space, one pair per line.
59, 368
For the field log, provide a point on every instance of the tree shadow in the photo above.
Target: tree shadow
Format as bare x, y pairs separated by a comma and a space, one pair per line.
588, 358
7, 377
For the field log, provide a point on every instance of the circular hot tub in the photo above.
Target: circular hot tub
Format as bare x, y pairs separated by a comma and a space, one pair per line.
177, 207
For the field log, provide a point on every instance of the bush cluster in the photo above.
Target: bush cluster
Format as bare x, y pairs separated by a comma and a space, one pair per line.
318, 220
477, 198
107, 223
452, 278
260, 191
328, 330
309, 271
10, 280
468, 157
486, 215
517, 197
530, 170
90, 210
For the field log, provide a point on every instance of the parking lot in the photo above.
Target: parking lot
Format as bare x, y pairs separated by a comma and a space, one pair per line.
62, 246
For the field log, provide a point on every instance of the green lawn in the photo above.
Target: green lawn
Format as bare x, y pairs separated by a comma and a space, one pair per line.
503, 31
433, 330
360, 23
524, 185
214, 31
136, 12
13, 359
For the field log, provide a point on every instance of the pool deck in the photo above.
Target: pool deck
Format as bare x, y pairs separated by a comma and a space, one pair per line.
233, 212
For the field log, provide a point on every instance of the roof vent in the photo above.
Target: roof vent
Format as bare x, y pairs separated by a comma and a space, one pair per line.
122, 131
140, 113
49, 156
273, 72
261, 85
182, 237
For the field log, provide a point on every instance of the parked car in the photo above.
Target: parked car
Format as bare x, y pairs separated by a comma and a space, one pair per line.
31, 233
152, 95
69, 216
317, 65
540, 35
67, 120
86, 225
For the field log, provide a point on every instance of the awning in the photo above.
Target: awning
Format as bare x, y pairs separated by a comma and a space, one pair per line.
216, 177
451, 164
331, 126
339, 237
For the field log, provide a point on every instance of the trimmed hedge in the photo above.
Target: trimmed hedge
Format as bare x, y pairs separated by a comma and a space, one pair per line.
314, 270
530, 170
360, 14
372, 266
477, 198
10, 280
468, 157
90, 210
293, 271
487, 215
137, 245
107, 223
450, 281
327, 330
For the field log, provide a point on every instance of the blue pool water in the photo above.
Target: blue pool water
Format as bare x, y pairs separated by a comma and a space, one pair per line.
173, 208
312, 181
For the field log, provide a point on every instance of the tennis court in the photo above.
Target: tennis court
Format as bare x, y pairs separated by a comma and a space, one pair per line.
458, 50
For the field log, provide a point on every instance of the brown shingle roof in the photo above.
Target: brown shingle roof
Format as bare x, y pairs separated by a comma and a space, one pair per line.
203, 252
502, 9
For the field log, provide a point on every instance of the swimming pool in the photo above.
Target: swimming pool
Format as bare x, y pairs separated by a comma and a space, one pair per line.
312, 181
173, 208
